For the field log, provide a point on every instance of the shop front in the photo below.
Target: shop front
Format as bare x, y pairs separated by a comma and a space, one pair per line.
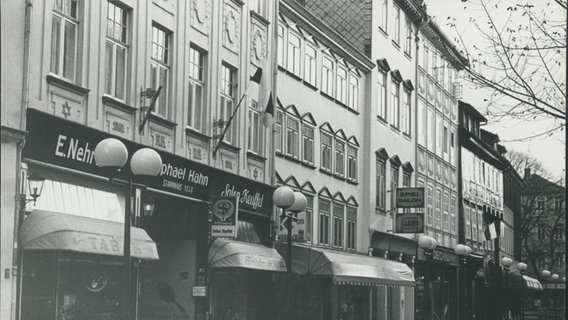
437, 274
77, 272
336, 285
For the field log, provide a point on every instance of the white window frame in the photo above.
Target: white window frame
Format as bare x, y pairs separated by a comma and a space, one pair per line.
351, 226
293, 137
160, 68
294, 55
116, 72
308, 145
341, 84
353, 91
395, 104
310, 63
408, 39
383, 15
382, 110
68, 17
281, 48
381, 187
339, 157
396, 25
196, 112
406, 113
338, 239
352, 165
255, 130
327, 76
279, 132
324, 222
326, 151
227, 101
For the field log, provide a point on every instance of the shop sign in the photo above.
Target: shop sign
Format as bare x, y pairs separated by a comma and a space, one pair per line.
444, 256
410, 197
554, 286
409, 223
199, 291
63, 143
224, 217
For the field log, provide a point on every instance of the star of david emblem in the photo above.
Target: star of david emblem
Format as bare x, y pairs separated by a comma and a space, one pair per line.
66, 109
255, 173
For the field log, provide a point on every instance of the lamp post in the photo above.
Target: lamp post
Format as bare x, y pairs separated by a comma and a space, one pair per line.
285, 198
111, 153
522, 268
428, 244
462, 251
506, 262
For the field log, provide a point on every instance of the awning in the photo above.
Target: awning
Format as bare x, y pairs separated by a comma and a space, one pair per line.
350, 269
46, 230
235, 254
531, 283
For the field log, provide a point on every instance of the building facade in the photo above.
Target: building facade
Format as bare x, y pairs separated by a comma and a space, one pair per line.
168, 75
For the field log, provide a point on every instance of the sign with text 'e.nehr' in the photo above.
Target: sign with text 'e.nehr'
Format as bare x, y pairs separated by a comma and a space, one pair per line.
410, 197
224, 217
71, 145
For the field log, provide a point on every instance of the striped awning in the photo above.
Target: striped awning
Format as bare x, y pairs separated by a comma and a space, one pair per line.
531, 283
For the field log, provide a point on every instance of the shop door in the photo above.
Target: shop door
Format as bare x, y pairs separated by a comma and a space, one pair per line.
439, 291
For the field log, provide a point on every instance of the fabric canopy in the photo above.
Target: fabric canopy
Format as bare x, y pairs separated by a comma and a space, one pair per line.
349, 268
235, 254
46, 230
531, 283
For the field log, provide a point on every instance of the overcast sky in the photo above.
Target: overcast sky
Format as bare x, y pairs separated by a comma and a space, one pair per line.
549, 150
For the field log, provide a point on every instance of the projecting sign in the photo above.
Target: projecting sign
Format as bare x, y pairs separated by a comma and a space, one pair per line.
409, 223
410, 197
224, 212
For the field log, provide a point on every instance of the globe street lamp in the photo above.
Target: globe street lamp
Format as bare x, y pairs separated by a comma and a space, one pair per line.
522, 268
285, 198
428, 244
111, 153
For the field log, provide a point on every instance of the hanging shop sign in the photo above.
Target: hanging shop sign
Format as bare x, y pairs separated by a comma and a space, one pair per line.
410, 197
409, 223
63, 143
224, 217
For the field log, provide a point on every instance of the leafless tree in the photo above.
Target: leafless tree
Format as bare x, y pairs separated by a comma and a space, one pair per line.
520, 57
543, 216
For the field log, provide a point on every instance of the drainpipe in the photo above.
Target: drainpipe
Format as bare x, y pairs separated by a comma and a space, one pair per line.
274, 68
20, 175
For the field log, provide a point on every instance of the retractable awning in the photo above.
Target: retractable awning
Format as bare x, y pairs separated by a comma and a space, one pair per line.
531, 283
47, 230
236, 254
350, 269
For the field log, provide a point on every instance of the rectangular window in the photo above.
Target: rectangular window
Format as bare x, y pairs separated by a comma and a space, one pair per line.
434, 66
160, 68
467, 215
425, 57
352, 163
446, 212
341, 85
421, 122
430, 205
310, 68
438, 212
395, 104
408, 36
228, 85
396, 25
393, 186
293, 63
292, 138
324, 213
406, 179
353, 92
340, 158
308, 219
338, 225
196, 95
453, 212
308, 144
406, 116
445, 142
259, 6
64, 34
327, 76
383, 96
254, 128
351, 228
116, 52
383, 14
381, 185
326, 148
281, 47
278, 132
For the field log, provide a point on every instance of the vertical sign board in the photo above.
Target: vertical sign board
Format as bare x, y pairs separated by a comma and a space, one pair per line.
224, 220
409, 222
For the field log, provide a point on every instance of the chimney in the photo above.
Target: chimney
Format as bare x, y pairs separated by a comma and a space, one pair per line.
527, 173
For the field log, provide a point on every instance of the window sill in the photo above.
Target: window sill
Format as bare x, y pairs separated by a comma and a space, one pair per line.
395, 128
291, 158
384, 32
310, 85
230, 147
63, 83
192, 132
328, 172
339, 176
259, 17
396, 45
255, 156
407, 55
381, 120
293, 75
163, 121
308, 165
353, 182
118, 104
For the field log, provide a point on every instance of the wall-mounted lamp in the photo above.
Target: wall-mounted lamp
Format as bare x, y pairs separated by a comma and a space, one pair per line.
35, 187
428, 243
148, 208
506, 262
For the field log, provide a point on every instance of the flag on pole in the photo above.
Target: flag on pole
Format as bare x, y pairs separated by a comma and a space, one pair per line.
253, 89
268, 112
259, 90
490, 231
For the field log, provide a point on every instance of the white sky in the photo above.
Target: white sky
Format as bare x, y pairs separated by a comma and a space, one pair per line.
549, 150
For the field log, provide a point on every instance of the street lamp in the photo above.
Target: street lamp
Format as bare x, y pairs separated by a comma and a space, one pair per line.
285, 198
506, 262
111, 153
522, 268
428, 244
462, 251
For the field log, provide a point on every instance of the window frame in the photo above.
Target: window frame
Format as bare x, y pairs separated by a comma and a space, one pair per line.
196, 119
160, 68
294, 54
324, 221
338, 238
352, 158
323, 166
383, 16
353, 91
308, 142
328, 76
255, 129
58, 63
112, 65
339, 153
382, 108
292, 139
381, 191
310, 74
395, 104
227, 94
351, 226
396, 24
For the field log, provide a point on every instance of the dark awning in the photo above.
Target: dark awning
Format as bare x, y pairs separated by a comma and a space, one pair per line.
46, 230
236, 254
349, 268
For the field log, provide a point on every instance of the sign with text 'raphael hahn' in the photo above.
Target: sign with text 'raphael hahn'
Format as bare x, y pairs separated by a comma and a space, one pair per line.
224, 217
66, 144
410, 197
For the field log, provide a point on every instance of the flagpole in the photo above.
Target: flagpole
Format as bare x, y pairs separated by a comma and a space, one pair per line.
226, 127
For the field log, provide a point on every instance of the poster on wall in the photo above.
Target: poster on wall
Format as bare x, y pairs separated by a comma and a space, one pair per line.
224, 217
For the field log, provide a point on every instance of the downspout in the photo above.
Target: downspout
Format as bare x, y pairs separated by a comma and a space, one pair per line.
274, 68
17, 257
